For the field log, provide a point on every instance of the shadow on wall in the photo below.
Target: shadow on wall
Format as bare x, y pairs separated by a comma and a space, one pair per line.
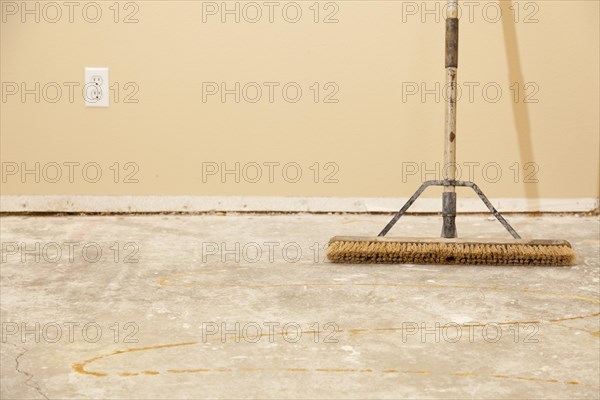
520, 109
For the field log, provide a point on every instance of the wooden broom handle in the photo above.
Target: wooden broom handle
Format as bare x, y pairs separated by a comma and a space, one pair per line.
451, 67
449, 196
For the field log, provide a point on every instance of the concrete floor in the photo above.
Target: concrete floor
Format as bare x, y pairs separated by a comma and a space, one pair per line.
113, 328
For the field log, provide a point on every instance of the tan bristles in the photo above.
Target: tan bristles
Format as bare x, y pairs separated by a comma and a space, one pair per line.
357, 250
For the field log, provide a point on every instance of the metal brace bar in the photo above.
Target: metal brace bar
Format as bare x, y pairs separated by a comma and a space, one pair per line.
472, 185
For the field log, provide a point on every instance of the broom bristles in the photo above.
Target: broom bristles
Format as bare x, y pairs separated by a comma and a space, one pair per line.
378, 250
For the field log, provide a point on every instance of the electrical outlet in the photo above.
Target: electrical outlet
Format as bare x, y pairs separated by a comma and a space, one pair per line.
96, 87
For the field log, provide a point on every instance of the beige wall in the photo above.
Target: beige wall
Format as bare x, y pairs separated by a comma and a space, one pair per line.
371, 54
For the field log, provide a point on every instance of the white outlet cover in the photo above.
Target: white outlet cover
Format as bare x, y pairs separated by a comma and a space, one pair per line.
95, 90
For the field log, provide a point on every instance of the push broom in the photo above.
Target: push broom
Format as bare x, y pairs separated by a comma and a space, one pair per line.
449, 249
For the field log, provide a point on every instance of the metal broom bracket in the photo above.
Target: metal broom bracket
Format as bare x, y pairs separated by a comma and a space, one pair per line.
449, 213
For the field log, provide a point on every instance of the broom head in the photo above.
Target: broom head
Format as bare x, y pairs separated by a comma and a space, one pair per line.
379, 250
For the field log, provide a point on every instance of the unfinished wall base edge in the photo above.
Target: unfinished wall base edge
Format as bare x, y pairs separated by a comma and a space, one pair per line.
119, 204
